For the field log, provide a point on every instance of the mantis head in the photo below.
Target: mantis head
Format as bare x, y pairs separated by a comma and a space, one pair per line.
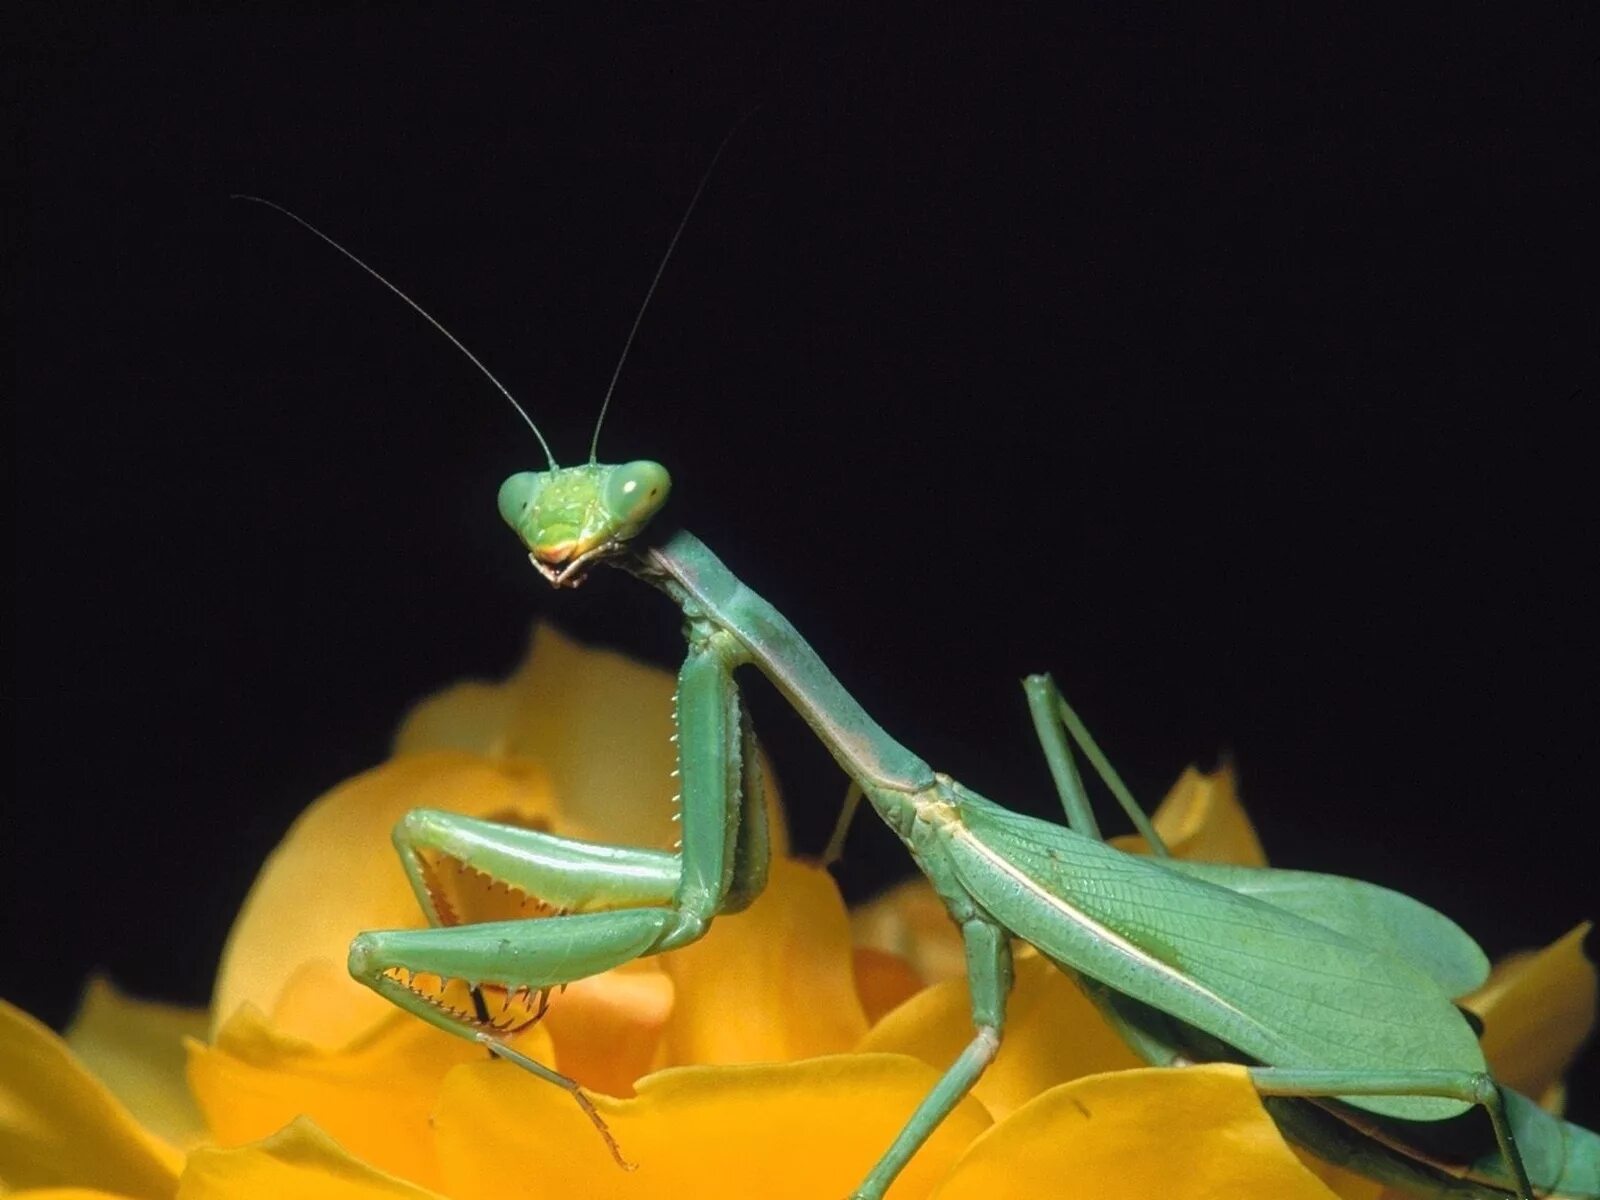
572, 517
568, 517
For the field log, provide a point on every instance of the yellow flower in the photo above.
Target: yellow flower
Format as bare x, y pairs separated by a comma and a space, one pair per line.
778, 1056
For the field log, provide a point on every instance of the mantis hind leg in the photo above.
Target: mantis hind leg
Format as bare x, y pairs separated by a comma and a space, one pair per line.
1471, 1087
989, 981
1054, 721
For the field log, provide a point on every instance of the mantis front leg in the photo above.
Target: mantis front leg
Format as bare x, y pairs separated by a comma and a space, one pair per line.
615, 903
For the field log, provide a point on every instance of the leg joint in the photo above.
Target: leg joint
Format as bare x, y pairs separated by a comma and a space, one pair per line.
1485, 1090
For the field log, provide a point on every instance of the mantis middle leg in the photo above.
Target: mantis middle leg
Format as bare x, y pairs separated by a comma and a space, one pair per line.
989, 983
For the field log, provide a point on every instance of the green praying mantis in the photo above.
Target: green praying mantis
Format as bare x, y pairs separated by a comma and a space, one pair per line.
1336, 995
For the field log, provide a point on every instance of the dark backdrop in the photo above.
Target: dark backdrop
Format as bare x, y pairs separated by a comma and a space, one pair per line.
1235, 370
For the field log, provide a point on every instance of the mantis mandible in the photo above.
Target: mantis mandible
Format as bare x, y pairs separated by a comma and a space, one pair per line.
1335, 994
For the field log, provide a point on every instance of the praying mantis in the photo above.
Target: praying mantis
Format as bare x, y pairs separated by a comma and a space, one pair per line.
1336, 995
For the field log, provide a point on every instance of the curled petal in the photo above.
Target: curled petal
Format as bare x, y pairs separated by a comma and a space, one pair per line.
909, 920
607, 1029
1344, 1183
803, 1130
1202, 820
770, 984
1194, 1133
335, 874
375, 1095
1537, 1009
135, 1048
1052, 1034
884, 981
473, 717
62, 1127
299, 1161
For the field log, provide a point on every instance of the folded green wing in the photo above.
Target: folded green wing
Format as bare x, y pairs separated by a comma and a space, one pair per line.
1283, 990
1364, 912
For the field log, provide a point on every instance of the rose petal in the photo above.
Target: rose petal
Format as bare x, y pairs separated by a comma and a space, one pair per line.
1202, 820
375, 1096
335, 874
909, 920
61, 1127
1345, 1184
135, 1048
66, 1193
300, 1161
1537, 1009
473, 717
884, 981
1052, 1034
806, 1130
607, 1030
770, 984
597, 722
1198, 1132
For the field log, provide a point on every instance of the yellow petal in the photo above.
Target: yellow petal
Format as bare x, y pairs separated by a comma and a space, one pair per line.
1537, 1009
374, 1096
884, 981
1345, 1184
1202, 820
1197, 1133
473, 717
135, 1048
909, 920
809, 1130
773, 983
607, 1030
1052, 1034
61, 1127
66, 1193
299, 1162
336, 873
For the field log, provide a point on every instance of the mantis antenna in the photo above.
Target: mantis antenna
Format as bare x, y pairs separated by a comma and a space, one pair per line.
594, 442
422, 312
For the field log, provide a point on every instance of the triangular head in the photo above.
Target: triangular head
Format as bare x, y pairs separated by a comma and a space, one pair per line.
572, 517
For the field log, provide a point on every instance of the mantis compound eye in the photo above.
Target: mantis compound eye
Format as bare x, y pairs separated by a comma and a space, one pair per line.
517, 496
634, 491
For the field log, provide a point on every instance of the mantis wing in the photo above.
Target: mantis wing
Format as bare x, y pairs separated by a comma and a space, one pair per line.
1375, 916
1283, 990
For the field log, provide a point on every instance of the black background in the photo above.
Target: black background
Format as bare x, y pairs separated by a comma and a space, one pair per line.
1235, 369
